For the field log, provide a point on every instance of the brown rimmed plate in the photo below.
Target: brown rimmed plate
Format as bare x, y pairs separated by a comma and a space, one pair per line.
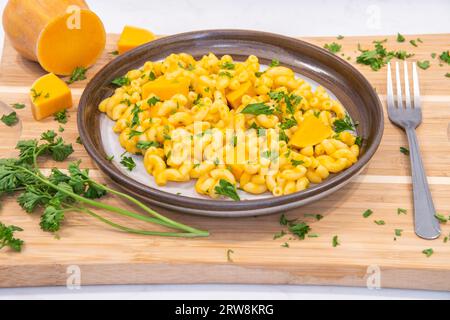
340, 78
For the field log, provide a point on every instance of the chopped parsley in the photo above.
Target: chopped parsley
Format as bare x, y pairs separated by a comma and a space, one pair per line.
7, 237
121, 81
227, 189
433, 55
318, 217
114, 53
445, 56
428, 252
61, 116
78, 74
423, 64
228, 65
285, 245
380, 222
401, 211
367, 213
400, 38
404, 150
128, 163
109, 158
288, 123
35, 94
153, 100
134, 133
398, 232
257, 109
10, 119
258, 74
340, 37
413, 42
447, 74
274, 63
441, 218
379, 56
278, 235
359, 141
296, 163
18, 106
225, 74
148, 144
300, 229
335, 242
333, 47
345, 124
79, 141
61, 129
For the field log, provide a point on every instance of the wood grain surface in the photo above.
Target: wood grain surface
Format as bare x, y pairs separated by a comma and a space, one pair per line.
106, 256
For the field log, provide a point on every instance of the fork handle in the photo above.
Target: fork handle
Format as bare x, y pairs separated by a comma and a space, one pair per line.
426, 224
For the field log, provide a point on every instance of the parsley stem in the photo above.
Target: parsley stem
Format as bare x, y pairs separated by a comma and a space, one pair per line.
166, 222
174, 224
135, 231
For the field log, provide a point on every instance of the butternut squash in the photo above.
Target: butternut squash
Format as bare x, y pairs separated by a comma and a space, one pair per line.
310, 132
133, 37
235, 97
49, 94
166, 89
59, 34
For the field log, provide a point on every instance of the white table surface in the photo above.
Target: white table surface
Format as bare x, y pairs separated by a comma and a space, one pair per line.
289, 17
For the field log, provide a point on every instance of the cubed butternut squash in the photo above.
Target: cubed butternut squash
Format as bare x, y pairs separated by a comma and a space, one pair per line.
49, 94
310, 132
165, 88
235, 97
133, 37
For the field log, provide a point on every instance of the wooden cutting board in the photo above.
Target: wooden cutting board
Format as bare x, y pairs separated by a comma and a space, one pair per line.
105, 256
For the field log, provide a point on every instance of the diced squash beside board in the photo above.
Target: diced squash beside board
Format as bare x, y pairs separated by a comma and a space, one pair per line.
59, 34
133, 37
310, 132
49, 94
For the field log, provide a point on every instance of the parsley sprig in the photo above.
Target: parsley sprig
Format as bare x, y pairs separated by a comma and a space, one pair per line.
7, 238
227, 189
73, 190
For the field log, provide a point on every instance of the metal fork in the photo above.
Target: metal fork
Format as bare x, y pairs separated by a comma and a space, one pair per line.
408, 116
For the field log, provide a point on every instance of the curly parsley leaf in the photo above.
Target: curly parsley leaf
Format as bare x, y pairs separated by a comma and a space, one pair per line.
10, 119
345, 124
121, 81
61, 116
333, 47
7, 237
227, 189
78, 74
257, 109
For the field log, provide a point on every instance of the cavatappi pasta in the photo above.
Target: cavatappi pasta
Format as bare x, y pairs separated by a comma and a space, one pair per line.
218, 119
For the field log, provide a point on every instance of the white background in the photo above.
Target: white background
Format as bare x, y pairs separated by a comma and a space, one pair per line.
289, 17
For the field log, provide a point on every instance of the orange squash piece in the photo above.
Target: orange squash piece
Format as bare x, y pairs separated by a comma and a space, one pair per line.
310, 132
49, 94
235, 97
166, 89
59, 34
133, 37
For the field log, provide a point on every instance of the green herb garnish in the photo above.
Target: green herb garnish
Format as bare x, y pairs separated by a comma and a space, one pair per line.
367, 213
296, 163
428, 252
121, 81
274, 63
441, 217
413, 42
10, 119
401, 211
7, 237
398, 232
445, 56
340, 37
18, 106
61, 116
400, 38
128, 163
345, 124
114, 53
278, 235
333, 47
229, 252
228, 65
227, 189
148, 144
404, 150
335, 242
78, 74
380, 222
257, 109
423, 64
285, 245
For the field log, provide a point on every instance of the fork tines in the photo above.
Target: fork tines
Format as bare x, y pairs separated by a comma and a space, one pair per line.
396, 101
